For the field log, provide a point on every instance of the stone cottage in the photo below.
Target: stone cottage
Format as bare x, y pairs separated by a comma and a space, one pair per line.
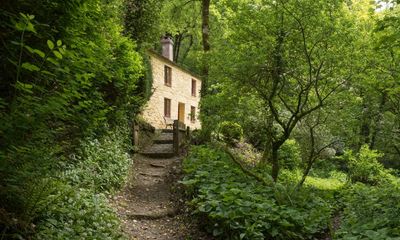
176, 91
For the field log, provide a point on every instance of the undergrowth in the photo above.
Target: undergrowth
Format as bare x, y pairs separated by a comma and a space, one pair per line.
70, 201
238, 206
370, 212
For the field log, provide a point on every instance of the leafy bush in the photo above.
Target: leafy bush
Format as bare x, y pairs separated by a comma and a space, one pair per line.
199, 136
101, 165
247, 153
231, 132
364, 167
371, 212
77, 213
64, 84
239, 207
290, 154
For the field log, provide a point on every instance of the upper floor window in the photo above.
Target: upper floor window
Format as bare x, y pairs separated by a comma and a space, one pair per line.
167, 107
167, 76
192, 114
193, 87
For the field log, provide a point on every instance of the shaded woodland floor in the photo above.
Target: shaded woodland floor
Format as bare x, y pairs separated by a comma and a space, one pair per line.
152, 206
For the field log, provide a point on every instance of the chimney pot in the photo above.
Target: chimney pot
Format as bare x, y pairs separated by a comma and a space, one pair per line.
167, 47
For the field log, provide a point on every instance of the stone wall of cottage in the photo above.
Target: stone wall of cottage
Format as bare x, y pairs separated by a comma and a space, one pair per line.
180, 91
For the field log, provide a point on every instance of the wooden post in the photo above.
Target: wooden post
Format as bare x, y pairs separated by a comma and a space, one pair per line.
135, 134
187, 132
176, 136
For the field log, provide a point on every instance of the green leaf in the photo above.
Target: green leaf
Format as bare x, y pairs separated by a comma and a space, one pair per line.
61, 50
29, 48
20, 26
50, 44
48, 73
30, 67
52, 60
26, 87
38, 52
57, 54
16, 43
59, 43
30, 27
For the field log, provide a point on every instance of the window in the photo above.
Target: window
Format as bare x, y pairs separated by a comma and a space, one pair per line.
167, 76
192, 114
193, 88
167, 107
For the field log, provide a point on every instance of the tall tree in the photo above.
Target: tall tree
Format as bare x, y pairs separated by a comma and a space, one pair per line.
205, 33
293, 55
142, 20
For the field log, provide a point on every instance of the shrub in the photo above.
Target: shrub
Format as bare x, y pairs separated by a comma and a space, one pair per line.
371, 212
290, 155
364, 167
230, 131
239, 207
74, 206
77, 213
64, 84
199, 136
101, 165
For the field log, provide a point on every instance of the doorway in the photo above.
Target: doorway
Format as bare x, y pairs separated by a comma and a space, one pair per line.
181, 112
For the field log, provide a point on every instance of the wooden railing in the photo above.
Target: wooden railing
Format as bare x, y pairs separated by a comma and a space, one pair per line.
181, 133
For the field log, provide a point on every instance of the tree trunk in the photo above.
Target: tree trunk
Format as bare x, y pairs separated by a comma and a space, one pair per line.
310, 163
275, 163
205, 33
271, 155
177, 46
267, 154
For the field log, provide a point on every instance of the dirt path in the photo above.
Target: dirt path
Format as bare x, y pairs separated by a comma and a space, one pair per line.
151, 205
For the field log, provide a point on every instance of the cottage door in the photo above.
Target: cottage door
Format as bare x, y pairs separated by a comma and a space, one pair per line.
181, 112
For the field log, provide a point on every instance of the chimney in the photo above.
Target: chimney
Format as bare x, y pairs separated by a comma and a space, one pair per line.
167, 47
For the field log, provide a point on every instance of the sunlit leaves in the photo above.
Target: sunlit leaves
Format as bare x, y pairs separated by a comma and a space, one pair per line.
25, 87
57, 54
50, 44
30, 67
52, 99
25, 23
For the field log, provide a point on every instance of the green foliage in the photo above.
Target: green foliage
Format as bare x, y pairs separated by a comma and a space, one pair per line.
76, 213
72, 196
364, 167
199, 136
231, 132
238, 207
370, 212
142, 20
101, 165
290, 154
68, 78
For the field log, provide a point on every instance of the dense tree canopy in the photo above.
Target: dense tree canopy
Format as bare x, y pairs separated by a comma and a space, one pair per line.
306, 94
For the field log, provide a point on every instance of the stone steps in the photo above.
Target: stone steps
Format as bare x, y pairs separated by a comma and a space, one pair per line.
163, 141
158, 155
167, 130
155, 214
164, 138
162, 146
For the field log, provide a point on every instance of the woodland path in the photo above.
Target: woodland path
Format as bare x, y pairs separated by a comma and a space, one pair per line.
151, 206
